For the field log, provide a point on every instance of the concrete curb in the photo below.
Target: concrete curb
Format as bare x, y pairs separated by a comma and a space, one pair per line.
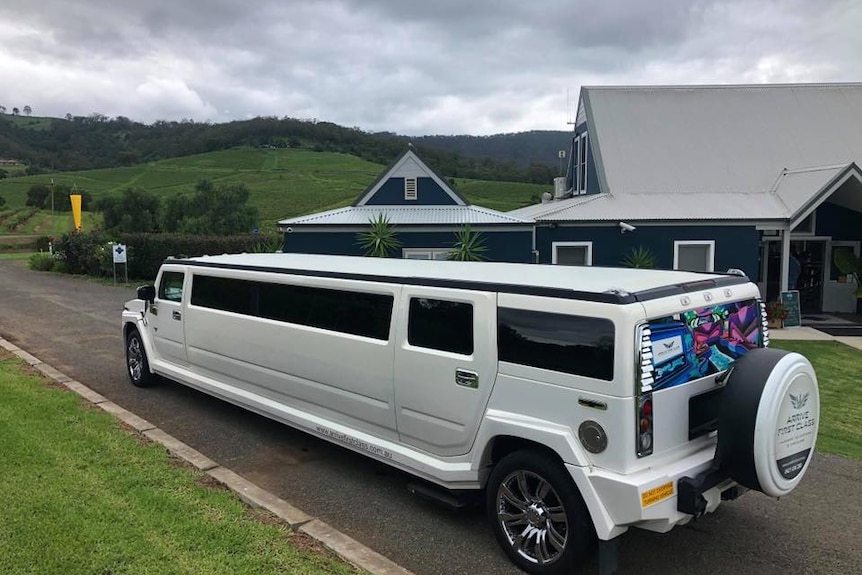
342, 545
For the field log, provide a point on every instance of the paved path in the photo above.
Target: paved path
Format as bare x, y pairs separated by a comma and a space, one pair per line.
74, 325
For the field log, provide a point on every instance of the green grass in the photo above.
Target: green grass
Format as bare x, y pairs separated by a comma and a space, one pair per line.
838, 369
39, 123
16, 255
82, 496
283, 183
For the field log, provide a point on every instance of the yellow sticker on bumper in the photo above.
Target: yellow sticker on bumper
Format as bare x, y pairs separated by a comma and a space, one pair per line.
656, 494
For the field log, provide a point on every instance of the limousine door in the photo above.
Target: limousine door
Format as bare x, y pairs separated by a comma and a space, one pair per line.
444, 367
166, 318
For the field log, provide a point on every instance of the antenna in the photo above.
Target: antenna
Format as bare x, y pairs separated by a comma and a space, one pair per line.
569, 119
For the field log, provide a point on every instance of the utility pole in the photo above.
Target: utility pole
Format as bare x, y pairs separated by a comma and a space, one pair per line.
52, 200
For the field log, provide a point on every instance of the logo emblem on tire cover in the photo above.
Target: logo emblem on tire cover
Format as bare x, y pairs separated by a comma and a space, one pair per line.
799, 401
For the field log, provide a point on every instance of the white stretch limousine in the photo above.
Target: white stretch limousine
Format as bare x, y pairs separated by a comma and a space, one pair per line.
583, 401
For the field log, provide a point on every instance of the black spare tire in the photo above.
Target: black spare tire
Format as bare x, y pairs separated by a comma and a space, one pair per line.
768, 422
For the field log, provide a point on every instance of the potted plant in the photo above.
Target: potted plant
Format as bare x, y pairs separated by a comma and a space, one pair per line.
776, 311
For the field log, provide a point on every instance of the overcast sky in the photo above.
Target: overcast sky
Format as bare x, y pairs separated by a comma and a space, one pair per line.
408, 66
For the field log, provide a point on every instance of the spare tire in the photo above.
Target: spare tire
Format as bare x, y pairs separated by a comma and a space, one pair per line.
770, 413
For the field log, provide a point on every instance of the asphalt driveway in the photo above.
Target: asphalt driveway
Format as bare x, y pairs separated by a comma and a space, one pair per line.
74, 324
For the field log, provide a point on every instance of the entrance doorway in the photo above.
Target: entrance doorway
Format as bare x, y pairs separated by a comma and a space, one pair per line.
811, 255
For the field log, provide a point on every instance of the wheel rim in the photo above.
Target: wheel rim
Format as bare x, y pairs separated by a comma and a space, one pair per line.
135, 357
532, 517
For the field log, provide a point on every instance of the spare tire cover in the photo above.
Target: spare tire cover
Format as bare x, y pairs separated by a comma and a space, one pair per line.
768, 422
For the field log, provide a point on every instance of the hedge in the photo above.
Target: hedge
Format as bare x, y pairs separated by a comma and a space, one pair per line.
89, 252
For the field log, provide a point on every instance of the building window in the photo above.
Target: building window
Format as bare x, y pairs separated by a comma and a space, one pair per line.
579, 181
694, 255
441, 325
566, 343
410, 190
572, 253
425, 253
171, 286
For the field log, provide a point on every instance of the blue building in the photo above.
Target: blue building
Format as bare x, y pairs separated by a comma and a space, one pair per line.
714, 177
425, 211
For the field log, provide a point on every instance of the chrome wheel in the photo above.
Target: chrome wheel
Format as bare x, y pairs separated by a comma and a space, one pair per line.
532, 517
135, 358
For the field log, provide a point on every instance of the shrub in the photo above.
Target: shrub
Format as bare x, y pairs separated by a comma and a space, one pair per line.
43, 243
42, 262
85, 253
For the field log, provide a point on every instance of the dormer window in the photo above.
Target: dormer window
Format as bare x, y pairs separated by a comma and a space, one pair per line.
410, 192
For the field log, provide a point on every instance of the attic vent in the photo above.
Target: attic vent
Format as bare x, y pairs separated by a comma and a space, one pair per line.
410, 189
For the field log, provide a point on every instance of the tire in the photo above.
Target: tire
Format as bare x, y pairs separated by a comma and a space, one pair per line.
537, 514
137, 365
769, 419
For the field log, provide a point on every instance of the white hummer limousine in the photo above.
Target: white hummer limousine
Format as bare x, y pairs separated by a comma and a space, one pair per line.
581, 401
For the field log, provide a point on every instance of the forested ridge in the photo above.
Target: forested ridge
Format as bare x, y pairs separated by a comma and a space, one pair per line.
97, 141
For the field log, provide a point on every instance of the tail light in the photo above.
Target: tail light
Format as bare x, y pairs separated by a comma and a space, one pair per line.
765, 323
643, 403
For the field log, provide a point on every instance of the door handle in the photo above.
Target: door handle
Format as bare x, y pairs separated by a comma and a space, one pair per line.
466, 378
154, 309
176, 315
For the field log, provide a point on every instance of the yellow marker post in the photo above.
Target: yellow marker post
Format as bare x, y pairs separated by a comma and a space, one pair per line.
76, 210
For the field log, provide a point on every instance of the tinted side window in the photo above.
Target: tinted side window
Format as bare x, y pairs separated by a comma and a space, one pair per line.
356, 313
571, 344
171, 286
344, 311
443, 325
223, 293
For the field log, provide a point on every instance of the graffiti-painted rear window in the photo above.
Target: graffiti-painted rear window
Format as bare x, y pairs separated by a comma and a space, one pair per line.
701, 342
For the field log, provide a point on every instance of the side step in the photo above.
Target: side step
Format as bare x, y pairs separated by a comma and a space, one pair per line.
455, 499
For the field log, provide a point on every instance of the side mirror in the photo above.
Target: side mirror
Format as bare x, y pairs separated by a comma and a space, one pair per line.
147, 293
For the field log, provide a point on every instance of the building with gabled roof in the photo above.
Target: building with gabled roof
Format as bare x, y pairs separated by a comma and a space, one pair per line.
754, 177
425, 210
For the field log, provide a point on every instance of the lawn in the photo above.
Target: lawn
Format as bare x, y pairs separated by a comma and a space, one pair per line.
838, 368
83, 496
283, 183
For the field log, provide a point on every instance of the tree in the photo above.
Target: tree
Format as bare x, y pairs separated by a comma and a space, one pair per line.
3, 174
2, 202
136, 210
380, 240
28, 110
37, 196
210, 210
15, 111
469, 246
2, 109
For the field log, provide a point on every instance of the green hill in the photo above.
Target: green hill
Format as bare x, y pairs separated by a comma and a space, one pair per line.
283, 182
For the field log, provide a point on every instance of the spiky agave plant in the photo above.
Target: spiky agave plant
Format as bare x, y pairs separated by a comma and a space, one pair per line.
469, 246
639, 257
380, 240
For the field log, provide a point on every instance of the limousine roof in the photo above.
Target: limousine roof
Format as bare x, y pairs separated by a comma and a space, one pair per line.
612, 285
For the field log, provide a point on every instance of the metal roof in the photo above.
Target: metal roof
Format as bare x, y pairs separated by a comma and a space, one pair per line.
719, 139
585, 279
673, 206
407, 215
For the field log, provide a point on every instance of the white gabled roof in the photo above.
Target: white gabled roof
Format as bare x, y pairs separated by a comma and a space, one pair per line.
409, 165
407, 215
719, 139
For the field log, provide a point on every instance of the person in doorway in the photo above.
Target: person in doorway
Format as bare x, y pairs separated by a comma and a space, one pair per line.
793, 272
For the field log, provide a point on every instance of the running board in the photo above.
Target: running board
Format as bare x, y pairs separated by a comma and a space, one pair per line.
455, 499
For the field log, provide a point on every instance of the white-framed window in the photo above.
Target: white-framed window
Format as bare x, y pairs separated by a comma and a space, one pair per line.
832, 272
694, 255
572, 253
424, 253
579, 163
410, 189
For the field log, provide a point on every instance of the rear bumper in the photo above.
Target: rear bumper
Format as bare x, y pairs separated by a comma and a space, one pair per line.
653, 499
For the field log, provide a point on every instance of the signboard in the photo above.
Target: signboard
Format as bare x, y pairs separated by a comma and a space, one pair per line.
790, 299
119, 253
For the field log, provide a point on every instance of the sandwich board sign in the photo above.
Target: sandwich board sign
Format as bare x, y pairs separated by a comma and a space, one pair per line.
790, 299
